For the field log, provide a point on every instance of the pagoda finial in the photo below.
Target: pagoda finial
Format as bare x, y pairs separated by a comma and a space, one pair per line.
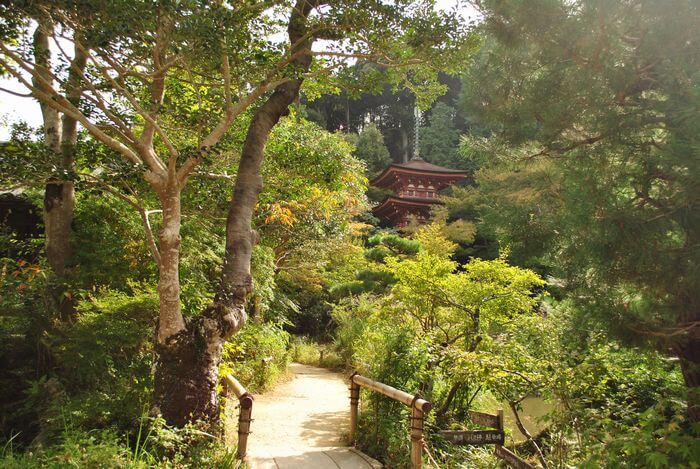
416, 137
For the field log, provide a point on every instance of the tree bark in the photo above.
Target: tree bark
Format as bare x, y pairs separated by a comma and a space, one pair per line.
42, 58
689, 354
171, 321
188, 356
56, 200
60, 136
181, 392
442, 413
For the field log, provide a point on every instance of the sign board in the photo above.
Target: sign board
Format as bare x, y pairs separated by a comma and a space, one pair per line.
487, 420
474, 437
512, 459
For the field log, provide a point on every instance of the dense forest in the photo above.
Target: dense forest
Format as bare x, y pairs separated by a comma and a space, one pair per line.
198, 202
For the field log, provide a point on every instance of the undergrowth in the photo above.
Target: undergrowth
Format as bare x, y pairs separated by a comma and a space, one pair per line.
308, 352
153, 445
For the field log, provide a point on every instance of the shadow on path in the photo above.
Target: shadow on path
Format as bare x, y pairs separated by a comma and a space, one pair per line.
325, 429
303, 423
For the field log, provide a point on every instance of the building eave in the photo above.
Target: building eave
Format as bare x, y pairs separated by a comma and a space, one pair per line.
384, 177
394, 201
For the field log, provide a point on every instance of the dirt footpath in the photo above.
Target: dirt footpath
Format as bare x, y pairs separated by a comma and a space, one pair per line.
303, 423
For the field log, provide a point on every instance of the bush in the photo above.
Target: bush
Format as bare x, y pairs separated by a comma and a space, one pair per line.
351, 318
94, 372
308, 352
155, 445
392, 355
257, 355
106, 253
660, 440
105, 361
25, 351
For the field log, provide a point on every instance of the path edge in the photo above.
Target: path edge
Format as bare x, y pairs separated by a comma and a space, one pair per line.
371, 461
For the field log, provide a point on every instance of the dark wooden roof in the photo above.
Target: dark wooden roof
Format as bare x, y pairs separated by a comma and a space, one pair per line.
417, 166
422, 165
393, 200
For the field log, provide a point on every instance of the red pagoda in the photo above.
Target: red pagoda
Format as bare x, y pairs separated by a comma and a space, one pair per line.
415, 185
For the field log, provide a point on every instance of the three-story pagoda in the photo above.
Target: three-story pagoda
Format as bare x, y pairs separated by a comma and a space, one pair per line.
415, 186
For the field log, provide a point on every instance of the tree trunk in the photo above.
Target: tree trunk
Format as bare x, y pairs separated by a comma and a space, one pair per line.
689, 354
59, 198
404, 145
170, 314
442, 413
188, 356
186, 377
56, 201
60, 137
178, 365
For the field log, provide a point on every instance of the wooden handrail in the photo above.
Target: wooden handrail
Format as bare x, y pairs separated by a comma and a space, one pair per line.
235, 386
245, 403
396, 394
418, 407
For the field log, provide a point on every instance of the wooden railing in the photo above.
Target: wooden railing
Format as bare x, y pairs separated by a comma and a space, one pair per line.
419, 407
245, 404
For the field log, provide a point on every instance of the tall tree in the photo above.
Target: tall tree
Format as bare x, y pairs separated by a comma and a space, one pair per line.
597, 101
59, 132
224, 56
370, 148
439, 140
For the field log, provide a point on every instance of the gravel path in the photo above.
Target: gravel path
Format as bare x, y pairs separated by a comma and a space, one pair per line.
303, 424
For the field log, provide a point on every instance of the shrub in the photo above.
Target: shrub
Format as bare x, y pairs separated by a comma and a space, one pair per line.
24, 346
257, 355
105, 361
106, 253
351, 318
308, 352
154, 446
392, 355
660, 440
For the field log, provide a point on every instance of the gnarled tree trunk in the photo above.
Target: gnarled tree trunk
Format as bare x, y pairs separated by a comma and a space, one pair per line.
187, 364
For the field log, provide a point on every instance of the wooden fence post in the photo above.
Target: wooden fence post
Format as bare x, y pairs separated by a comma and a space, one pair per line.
500, 426
245, 411
244, 419
354, 400
416, 436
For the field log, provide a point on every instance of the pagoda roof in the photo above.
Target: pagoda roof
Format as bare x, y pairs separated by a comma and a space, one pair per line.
416, 166
394, 200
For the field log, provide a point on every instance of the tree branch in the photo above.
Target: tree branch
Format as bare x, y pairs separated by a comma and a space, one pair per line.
526, 434
61, 104
147, 153
143, 213
14, 93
